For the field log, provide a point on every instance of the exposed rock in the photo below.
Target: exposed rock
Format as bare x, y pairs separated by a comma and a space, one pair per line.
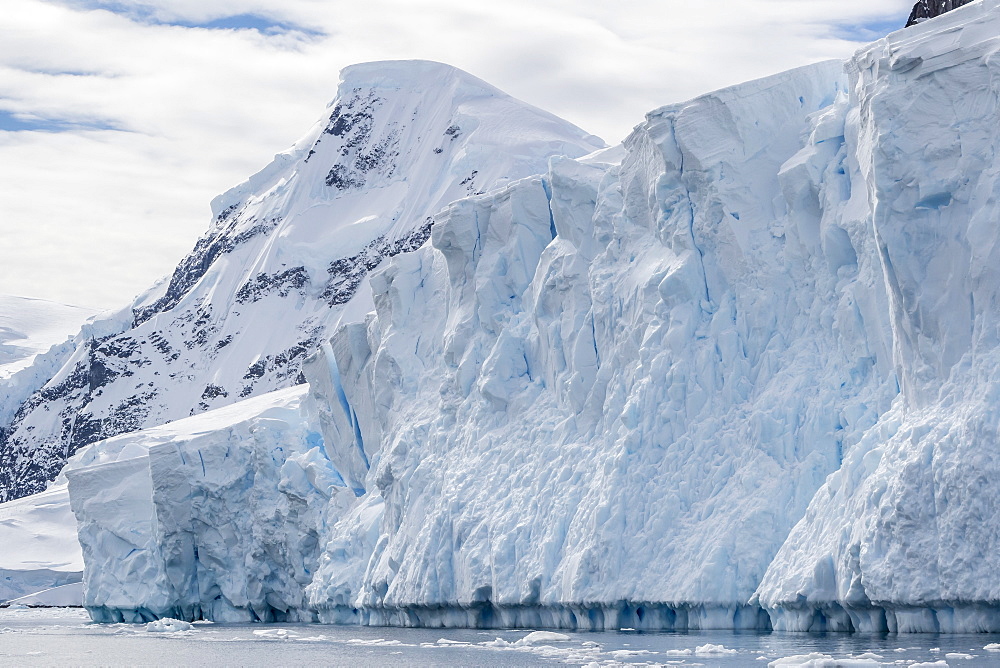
928, 9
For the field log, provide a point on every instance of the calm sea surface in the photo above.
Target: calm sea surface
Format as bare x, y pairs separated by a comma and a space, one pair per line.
47, 637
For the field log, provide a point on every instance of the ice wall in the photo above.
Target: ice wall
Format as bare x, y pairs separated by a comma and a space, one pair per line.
904, 537
784, 287
605, 395
215, 516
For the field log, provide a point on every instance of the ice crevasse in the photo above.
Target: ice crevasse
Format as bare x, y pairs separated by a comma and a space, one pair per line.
738, 372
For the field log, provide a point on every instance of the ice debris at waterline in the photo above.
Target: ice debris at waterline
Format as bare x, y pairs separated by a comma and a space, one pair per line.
740, 371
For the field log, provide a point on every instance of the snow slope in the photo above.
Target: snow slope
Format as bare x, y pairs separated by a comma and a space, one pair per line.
39, 532
737, 372
29, 327
35, 338
40, 547
285, 259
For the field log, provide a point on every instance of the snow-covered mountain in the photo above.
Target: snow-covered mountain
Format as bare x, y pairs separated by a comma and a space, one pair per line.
739, 372
30, 327
35, 336
286, 258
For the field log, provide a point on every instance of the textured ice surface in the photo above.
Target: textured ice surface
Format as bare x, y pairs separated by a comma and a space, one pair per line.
617, 426
904, 536
738, 372
215, 516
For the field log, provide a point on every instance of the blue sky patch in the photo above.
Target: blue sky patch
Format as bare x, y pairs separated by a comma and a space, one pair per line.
870, 31
12, 122
148, 14
256, 22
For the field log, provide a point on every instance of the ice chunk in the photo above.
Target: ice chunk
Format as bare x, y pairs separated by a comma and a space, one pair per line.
709, 649
168, 625
542, 638
819, 660
219, 519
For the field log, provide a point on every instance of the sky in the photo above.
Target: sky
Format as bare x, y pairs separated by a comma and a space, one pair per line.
120, 120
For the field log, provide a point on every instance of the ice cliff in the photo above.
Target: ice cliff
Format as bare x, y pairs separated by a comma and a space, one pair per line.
904, 535
739, 371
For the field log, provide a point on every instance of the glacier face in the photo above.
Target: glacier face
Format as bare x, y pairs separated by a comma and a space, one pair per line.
633, 414
216, 515
285, 260
902, 537
736, 372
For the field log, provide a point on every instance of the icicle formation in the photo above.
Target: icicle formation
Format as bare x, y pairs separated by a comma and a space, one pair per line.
928, 9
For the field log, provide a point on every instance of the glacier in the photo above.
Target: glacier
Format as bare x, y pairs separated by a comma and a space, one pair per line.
903, 536
738, 371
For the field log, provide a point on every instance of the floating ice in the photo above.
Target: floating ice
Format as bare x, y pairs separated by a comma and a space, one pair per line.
709, 649
542, 638
819, 660
276, 634
168, 625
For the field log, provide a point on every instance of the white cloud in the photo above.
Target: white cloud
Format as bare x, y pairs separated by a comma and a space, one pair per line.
93, 216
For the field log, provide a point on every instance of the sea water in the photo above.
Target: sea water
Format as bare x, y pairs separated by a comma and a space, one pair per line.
66, 636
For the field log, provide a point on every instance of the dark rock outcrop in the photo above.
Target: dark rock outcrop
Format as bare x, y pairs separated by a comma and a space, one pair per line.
928, 9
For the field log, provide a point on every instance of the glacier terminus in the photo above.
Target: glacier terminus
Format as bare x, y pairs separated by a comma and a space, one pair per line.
451, 361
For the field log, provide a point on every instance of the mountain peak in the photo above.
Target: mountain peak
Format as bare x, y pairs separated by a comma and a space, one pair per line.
928, 9
424, 75
286, 259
